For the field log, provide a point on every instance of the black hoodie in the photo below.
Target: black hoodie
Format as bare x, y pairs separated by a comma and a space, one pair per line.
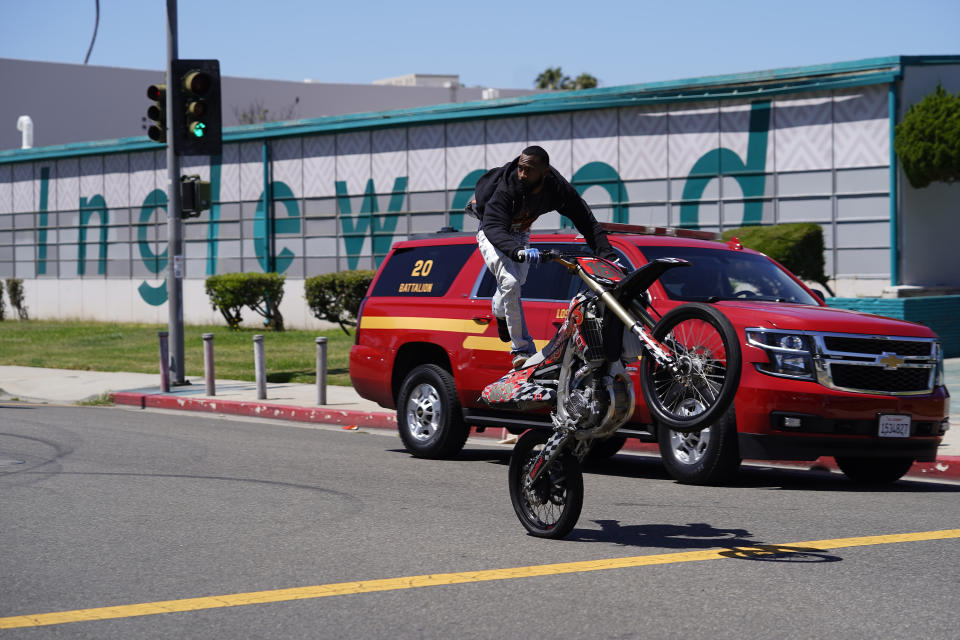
505, 206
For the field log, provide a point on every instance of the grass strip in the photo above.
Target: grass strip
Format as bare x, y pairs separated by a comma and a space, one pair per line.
106, 346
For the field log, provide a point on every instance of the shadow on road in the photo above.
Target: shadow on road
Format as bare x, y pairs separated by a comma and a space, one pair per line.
822, 480
699, 535
756, 476
751, 476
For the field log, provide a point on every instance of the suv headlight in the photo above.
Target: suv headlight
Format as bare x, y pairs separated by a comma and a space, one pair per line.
790, 354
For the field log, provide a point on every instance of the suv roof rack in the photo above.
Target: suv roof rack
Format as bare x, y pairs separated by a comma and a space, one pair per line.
609, 227
615, 227
446, 231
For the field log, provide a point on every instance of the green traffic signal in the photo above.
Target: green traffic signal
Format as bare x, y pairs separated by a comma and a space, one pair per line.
196, 119
197, 84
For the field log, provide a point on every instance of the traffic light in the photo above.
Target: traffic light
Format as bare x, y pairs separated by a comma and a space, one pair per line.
197, 121
157, 112
194, 196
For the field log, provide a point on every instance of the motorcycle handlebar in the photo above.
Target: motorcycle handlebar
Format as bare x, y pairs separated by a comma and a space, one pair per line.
550, 254
568, 259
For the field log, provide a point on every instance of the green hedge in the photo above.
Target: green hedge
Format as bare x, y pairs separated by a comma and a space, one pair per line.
336, 297
262, 292
927, 141
797, 246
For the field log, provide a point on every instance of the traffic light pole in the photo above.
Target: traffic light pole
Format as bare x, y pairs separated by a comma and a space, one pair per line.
175, 262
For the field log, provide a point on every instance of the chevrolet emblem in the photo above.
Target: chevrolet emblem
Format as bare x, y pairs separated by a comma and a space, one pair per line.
890, 361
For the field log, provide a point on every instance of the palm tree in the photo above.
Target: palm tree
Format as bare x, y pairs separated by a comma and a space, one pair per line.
584, 81
552, 78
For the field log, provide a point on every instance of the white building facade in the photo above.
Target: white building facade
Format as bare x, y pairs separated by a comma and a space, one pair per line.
84, 225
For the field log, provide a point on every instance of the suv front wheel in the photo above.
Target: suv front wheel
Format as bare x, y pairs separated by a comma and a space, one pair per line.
707, 457
429, 416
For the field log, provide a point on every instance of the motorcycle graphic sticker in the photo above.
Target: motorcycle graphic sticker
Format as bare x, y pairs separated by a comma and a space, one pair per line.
517, 390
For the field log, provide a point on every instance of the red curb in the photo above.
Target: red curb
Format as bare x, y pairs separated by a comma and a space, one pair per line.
318, 415
945, 467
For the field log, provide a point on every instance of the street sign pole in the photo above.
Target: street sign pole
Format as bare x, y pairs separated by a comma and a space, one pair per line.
175, 264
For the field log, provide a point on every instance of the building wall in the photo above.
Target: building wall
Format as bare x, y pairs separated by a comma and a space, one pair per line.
101, 217
87, 230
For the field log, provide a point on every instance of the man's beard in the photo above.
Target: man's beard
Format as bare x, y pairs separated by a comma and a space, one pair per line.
530, 188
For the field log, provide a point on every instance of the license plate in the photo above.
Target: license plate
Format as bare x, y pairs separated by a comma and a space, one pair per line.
894, 426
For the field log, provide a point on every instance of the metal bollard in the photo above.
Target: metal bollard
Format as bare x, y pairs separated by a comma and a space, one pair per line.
321, 370
164, 361
208, 371
261, 367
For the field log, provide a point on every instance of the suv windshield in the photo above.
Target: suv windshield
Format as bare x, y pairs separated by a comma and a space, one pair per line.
724, 274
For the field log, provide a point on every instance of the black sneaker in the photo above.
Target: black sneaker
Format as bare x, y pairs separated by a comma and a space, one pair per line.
502, 330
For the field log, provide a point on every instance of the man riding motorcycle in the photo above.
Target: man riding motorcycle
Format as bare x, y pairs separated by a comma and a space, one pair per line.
507, 201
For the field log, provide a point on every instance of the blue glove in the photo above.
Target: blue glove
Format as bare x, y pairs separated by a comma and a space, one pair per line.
528, 255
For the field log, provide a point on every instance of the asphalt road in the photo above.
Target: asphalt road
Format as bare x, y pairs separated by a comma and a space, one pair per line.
260, 529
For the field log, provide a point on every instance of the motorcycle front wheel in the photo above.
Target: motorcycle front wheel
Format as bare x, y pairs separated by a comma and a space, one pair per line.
550, 507
702, 382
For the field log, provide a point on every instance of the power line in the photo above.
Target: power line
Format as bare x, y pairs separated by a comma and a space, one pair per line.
96, 25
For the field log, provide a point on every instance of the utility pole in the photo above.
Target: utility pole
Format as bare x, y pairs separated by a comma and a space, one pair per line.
175, 264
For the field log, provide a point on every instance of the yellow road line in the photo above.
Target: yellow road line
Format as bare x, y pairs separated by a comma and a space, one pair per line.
438, 579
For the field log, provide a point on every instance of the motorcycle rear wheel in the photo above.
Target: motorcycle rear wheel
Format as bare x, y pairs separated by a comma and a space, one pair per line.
707, 353
551, 507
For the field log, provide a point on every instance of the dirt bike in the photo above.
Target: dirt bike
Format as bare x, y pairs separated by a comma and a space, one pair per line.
689, 372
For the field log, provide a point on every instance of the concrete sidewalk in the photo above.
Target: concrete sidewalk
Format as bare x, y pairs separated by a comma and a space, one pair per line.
298, 402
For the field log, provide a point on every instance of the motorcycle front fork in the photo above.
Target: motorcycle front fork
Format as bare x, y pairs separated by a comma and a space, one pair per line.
652, 347
620, 409
554, 445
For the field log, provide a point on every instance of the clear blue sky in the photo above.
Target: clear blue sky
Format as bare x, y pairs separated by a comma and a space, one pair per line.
498, 43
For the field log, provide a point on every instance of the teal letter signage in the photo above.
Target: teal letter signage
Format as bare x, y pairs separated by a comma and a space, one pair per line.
724, 161
156, 296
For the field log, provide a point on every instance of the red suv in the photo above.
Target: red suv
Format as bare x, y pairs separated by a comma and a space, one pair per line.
816, 381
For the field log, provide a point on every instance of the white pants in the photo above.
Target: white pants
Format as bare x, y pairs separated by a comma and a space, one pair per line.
510, 276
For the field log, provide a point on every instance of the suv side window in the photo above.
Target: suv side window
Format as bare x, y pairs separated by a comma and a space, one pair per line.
423, 271
547, 281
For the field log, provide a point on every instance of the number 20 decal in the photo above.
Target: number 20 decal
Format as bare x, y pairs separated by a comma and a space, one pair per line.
422, 268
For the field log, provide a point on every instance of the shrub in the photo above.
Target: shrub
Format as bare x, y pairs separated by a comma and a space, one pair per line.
266, 293
927, 140
227, 295
262, 292
15, 293
336, 297
3, 307
797, 246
